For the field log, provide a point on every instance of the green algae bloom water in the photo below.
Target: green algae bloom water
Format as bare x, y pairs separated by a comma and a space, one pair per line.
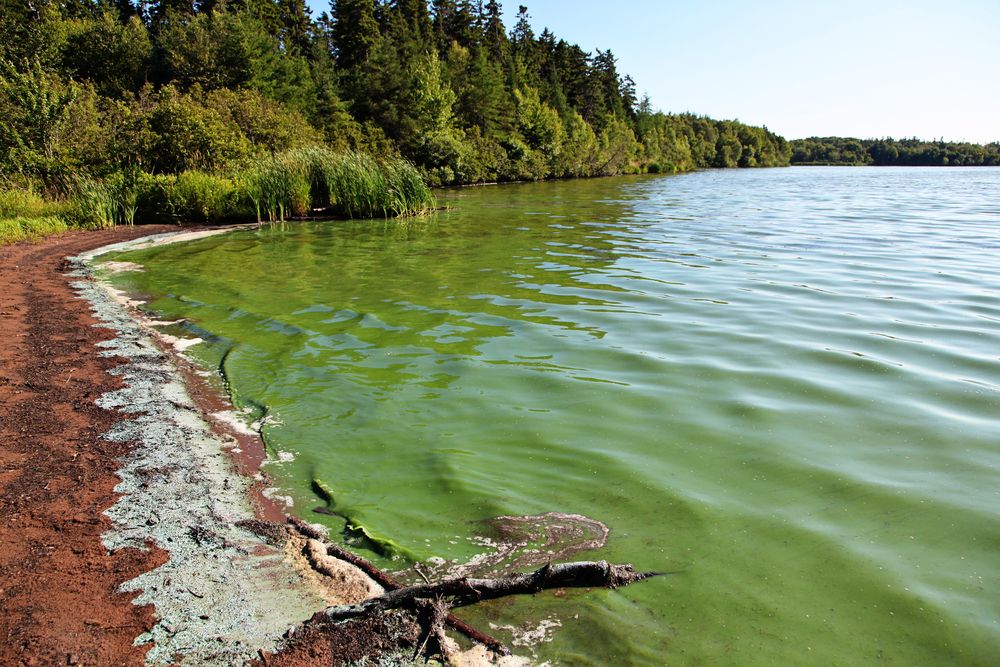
782, 387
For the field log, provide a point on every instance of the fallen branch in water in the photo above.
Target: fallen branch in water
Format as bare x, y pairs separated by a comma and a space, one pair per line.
463, 591
584, 574
390, 584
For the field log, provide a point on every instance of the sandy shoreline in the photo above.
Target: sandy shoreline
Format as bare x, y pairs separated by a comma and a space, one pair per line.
59, 597
116, 493
224, 596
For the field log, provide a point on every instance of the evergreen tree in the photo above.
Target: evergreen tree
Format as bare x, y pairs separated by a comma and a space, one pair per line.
355, 31
161, 12
482, 101
571, 66
524, 52
18, 11
494, 34
410, 24
626, 92
603, 96
296, 25
454, 22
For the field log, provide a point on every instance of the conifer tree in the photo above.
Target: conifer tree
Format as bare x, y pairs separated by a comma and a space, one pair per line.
355, 31
410, 24
524, 52
493, 31
454, 21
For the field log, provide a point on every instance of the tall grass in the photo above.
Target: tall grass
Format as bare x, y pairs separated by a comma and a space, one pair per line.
268, 187
26, 215
13, 230
351, 184
17, 202
96, 203
88, 202
124, 187
290, 183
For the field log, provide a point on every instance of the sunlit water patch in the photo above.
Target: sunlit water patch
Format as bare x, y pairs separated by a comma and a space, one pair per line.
780, 386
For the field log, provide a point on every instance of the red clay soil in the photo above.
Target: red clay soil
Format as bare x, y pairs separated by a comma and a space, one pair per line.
59, 603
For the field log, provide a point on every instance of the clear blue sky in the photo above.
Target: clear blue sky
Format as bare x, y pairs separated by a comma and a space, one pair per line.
862, 68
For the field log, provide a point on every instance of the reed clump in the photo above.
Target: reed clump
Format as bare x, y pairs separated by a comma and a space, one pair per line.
351, 184
292, 183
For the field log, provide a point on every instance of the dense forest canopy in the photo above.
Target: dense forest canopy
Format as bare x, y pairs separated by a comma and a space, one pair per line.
166, 86
892, 152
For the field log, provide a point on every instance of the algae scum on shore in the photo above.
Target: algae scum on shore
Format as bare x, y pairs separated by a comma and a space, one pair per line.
223, 596
778, 385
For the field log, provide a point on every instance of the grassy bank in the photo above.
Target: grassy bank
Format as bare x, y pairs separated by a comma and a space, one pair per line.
13, 230
294, 183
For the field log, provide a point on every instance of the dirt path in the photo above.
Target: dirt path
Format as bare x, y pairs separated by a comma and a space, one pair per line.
58, 599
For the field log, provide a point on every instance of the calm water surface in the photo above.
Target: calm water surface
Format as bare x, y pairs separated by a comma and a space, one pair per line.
780, 386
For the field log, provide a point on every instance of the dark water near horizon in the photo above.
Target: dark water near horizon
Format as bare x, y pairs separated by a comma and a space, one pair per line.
781, 386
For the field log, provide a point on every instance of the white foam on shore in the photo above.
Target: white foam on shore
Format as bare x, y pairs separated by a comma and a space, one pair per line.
123, 267
180, 344
232, 420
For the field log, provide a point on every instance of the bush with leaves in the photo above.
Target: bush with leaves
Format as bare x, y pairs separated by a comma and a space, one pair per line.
35, 104
197, 196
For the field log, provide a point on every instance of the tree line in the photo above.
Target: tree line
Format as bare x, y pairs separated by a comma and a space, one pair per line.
891, 152
162, 87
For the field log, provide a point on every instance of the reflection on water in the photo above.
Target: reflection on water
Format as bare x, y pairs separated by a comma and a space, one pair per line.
780, 386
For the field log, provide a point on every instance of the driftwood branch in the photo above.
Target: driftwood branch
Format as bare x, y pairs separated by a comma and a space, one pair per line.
390, 584
585, 574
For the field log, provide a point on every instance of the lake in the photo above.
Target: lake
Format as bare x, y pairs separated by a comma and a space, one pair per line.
781, 387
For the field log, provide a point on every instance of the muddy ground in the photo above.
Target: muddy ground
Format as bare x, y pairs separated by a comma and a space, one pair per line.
58, 584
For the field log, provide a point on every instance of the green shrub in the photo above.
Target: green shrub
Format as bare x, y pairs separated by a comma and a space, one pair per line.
151, 197
653, 168
197, 196
18, 203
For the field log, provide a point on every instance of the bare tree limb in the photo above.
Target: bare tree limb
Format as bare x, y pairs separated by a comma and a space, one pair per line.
390, 584
585, 574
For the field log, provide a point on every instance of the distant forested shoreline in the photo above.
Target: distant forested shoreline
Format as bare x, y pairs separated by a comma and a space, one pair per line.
174, 85
892, 152
113, 111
